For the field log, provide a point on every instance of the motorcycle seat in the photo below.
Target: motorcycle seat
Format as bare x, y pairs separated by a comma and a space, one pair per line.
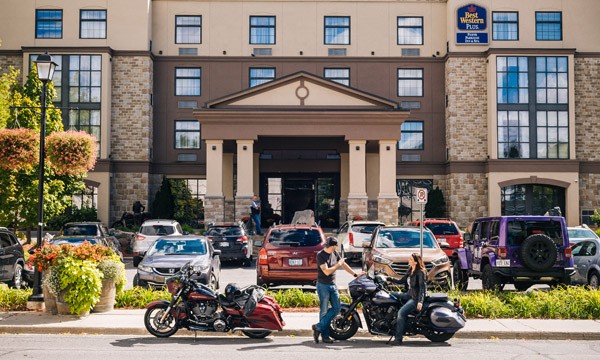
226, 302
436, 297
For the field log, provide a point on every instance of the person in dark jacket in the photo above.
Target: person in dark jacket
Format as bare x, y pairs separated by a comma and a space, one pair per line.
415, 281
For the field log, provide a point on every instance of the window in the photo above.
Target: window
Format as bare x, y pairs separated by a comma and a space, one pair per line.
188, 29
411, 136
48, 24
262, 29
86, 120
187, 81
337, 30
533, 105
531, 199
586, 217
548, 26
410, 82
260, 76
92, 24
505, 26
339, 75
85, 78
87, 198
410, 30
187, 134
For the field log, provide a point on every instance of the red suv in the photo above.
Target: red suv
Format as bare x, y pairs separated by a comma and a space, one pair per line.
444, 230
288, 255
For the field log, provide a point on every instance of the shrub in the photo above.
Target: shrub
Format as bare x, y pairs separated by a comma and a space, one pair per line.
138, 297
13, 299
113, 270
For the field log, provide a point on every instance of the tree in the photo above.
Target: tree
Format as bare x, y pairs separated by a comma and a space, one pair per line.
436, 205
20, 109
185, 207
163, 205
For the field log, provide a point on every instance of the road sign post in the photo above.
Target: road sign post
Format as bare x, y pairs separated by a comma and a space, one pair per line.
421, 196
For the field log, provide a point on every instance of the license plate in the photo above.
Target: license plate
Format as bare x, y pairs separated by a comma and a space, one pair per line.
503, 262
224, 244
295, 262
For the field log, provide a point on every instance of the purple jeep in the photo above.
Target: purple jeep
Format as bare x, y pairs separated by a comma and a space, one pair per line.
520, 250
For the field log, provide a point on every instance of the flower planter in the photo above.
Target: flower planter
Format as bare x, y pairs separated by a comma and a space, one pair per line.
49, 301
64, 308
107, 297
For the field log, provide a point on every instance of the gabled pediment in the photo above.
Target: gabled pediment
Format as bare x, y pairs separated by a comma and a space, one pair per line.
302, 91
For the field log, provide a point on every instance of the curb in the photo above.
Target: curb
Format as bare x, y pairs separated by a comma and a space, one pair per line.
489, 335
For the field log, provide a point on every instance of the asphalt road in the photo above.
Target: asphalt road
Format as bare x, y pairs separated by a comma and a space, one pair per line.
91, 347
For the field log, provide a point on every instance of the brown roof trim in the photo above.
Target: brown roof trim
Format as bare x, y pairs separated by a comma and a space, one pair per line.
463, 54
321, 117
492, 51
534, 180
404, 168
67, 49
587, 54
133, 53
306, 59
589, 167
124, 166
11, 52
102, 166
191, 168
466, 167
533, 166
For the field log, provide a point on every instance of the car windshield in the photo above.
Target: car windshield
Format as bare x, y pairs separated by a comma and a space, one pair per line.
178, 247
79, 230
74, 241
442, 228
519, 230
365, 228
581, 234
160, 230
398, 238
295, 237
224, 231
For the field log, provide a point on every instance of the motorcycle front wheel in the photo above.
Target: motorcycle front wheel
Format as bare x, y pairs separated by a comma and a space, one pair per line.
156, 327
438, 336
256, 334
343, 330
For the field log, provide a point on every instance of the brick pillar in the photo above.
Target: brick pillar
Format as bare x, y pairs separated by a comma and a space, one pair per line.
214, 209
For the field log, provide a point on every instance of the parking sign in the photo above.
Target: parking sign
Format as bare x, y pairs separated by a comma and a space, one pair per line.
421, 196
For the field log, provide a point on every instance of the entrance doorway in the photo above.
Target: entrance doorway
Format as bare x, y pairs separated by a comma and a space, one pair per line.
288, 193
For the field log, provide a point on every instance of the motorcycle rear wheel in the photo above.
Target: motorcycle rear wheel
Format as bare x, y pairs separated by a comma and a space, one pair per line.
155, 326
256, 334
339, 332
438, 336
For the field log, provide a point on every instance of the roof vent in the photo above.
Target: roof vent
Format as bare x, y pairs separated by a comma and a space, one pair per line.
187, 157
188, 51
336, 52
262, 51
411, 52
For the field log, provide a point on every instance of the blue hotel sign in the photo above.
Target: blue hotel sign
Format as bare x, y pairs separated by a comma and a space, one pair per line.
471, 23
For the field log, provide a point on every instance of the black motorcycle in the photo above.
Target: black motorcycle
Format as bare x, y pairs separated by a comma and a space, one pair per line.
438, 320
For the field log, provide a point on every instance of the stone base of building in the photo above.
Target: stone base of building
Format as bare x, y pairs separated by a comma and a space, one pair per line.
214, 209
358, 208
242, 207
387, 209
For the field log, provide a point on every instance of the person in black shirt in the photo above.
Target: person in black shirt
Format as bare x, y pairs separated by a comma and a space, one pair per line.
414, 281
328, 261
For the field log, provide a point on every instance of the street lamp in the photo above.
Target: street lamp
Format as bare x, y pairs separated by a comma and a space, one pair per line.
45, 71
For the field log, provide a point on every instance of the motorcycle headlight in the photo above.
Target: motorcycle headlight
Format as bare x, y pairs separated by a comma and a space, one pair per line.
201, 267
441, 260
144, 268
382, 260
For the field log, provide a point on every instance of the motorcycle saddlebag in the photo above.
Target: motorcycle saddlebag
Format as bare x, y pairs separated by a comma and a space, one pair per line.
445, 318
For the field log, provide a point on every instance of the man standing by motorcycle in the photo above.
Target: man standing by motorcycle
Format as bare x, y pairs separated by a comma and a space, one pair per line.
328, 261
414, 281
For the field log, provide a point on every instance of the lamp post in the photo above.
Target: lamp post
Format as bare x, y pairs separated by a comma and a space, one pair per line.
45, 71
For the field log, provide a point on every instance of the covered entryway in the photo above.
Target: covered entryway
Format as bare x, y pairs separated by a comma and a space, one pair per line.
325, 143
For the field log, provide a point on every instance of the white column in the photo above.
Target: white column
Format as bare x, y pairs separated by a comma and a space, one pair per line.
245, 168
387, 168
214, 168
357, 186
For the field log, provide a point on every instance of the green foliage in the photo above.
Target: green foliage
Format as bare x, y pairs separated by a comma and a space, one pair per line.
163, 205
596, 217
113, 270
174, 200
297, 298
138, 297
436, 205
82, 281
7, 82
73, 215
13, 299
52, 280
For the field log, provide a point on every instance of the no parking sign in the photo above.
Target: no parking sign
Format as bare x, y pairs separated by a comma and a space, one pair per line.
421, 196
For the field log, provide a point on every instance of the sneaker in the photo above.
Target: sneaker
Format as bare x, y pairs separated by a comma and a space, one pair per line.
396, 342
328, 340
316, 333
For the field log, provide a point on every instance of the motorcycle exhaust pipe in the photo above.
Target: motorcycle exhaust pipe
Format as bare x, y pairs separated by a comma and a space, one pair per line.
250, 329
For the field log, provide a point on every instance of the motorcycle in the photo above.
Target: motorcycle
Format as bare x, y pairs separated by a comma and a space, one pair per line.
438, 320
195, 306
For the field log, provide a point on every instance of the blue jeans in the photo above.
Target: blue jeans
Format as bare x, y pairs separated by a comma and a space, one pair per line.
407, 308
327, 294
256, 220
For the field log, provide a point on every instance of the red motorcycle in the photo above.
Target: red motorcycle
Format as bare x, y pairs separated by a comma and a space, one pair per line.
195, 307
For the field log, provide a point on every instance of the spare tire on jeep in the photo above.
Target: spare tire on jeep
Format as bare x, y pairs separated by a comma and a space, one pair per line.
538, 252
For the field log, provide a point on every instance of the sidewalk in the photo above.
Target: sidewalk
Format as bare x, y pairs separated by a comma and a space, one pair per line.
131, 322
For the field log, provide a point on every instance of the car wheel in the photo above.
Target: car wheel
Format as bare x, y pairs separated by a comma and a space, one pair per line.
138, 282
247, 262
17, 280
538, 252
489, 280
214, 282
593, 281
259, 281
461, 278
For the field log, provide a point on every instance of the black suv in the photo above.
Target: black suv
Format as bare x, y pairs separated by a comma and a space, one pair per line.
11, 259
233, 241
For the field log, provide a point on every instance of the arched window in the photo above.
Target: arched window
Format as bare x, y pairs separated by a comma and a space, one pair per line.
532, 199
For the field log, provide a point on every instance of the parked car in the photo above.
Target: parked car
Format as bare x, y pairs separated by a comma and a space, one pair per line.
167, 255
587, 263
12, 260
580, 233
444, 230
351, 236
232, 240
149, 232
390, 247
75, 233
288, 255
520, 250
